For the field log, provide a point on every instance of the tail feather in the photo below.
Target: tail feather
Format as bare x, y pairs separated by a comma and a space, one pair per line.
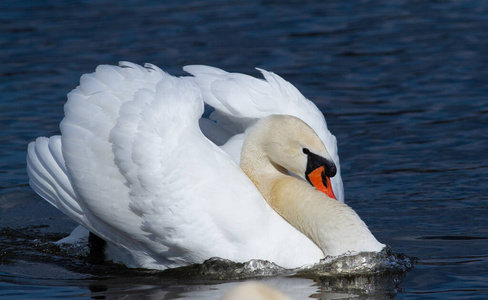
48, 176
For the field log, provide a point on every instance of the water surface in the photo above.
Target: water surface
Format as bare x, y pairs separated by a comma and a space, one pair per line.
402, 84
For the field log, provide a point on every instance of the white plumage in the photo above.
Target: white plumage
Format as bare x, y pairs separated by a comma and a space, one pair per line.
133, 167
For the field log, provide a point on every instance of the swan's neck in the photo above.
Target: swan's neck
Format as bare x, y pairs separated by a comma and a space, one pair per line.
333, 226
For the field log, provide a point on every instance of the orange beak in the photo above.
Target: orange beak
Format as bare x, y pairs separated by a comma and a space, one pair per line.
321, 182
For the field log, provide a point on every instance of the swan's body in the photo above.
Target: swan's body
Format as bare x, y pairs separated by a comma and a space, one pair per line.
133, 167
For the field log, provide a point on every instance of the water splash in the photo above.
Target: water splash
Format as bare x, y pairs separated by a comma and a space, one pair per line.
366, 263
224, 269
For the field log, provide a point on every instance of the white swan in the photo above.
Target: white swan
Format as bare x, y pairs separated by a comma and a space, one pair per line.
133, 167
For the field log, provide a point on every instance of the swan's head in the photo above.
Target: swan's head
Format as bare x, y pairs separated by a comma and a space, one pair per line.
290, 144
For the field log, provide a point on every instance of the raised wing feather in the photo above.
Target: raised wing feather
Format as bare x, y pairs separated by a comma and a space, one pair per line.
48, 176
243, 99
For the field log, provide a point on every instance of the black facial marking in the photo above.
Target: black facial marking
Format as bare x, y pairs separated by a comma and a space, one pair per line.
314, 161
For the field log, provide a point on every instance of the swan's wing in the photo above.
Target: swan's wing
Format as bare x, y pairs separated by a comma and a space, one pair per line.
91, 113
241, 100
48, 176
147, 179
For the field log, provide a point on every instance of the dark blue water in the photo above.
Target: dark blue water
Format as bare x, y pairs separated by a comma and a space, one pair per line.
403, 85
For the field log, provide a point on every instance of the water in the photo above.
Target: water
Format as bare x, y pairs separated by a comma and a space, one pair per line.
403, 85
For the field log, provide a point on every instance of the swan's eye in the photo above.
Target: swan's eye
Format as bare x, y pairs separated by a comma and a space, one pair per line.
306, 151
